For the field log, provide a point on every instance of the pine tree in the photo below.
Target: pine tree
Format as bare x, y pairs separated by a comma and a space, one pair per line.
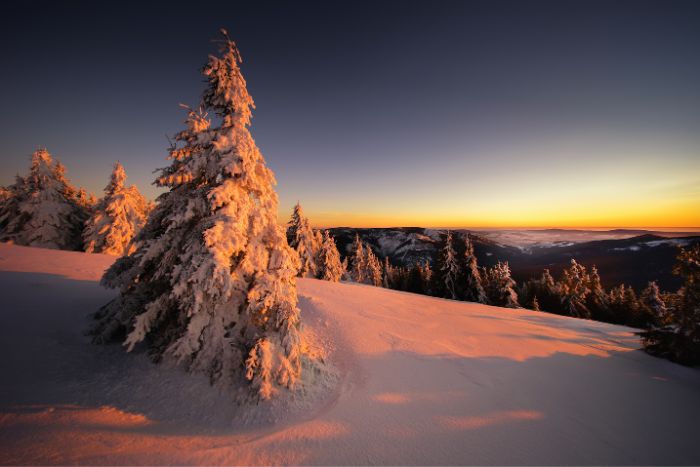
428, 277
597, 298
500, 288
117, 218
448, 269
678, 339
473, 290
358, 263
415, 279
329, 268
535, 306
212, 282
574, 290
305, 242
653, 307
373, 272
9, 207
388, 276
44, 211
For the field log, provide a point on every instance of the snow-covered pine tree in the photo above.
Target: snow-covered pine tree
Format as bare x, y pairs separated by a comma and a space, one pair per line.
373, 273
329, 267
448, 269
653, 305
597, 298
9, 207
44, 211
388, 276
346, 271
535, 306
85, 200
679, 338
470, 277
574, 290
358, 265
500, 288
117, 218
212, 282
305, 242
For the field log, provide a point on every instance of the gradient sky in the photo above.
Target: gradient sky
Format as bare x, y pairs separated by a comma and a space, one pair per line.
480, 114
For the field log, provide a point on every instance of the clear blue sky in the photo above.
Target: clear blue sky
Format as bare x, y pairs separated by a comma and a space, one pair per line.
493, 113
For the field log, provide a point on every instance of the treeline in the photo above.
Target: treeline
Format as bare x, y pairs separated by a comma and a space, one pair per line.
670, 320
43, 209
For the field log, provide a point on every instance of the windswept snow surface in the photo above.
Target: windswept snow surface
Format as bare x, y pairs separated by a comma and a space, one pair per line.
422, 381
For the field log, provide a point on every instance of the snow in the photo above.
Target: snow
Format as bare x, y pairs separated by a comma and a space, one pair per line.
421, 381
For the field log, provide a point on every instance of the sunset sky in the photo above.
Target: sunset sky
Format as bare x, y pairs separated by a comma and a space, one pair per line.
451, 114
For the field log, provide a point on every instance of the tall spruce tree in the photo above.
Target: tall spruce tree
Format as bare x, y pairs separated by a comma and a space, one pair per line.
448, 269
212, 282
117, 218
470, 277
358, 265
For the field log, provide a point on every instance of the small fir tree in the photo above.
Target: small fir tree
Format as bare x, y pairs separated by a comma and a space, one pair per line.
330, 267
305, 242
653, 305
574, 290
44, 210
500, 288
117, 218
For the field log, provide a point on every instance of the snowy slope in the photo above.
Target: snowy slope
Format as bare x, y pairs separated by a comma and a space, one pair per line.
423, 381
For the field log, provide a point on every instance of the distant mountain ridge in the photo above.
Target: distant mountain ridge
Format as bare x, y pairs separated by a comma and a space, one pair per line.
634, 260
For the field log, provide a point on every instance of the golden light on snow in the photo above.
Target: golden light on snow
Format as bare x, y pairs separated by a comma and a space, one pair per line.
495, 418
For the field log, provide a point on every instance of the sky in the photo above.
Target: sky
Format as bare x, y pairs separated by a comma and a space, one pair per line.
437, 114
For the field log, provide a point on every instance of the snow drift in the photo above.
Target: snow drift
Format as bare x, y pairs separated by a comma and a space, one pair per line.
422, 381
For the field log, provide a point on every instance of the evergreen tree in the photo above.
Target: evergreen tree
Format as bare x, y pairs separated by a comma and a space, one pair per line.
574, 290
653, 307
470, 278
597, 298
535, 306
617, 306
415, 279
212, 282
329, 267
305, 242
373, 273
117, 218
448, 269
9, 207
388, 277
43, 211
500, 288
679, 338
358, 266
546, 291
